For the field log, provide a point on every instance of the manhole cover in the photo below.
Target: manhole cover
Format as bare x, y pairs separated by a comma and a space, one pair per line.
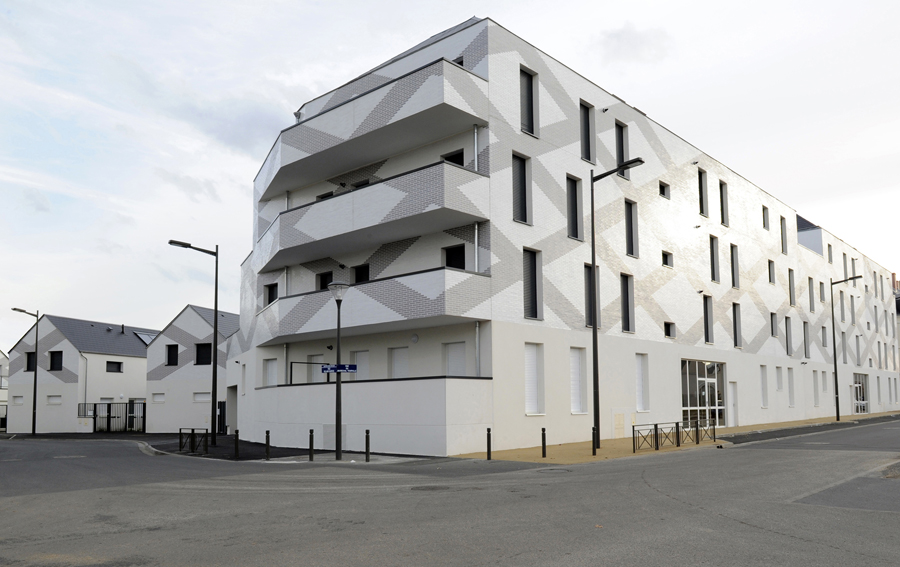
553, 471
430, 488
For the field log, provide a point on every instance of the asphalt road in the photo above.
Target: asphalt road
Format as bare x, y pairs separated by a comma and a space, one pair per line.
819, 499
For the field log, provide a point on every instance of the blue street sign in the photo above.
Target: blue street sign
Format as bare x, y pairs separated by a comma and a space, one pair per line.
343, 368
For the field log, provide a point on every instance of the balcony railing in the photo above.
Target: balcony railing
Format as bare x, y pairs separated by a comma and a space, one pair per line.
436, 297
430, 199
425, 105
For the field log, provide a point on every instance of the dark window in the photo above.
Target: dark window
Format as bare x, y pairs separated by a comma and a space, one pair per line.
526, 100
589, 289
29, 362
456, 157
271, 293
830, 255
572, 207
455, 257
714, 258
765, 217
845, 266
736, 324
788, 340
669, 329
171, 355
585, 112
704, 202
204, 354
113, 366
771, 272
56, 357
529, 281
520, 189
708, 318
735, 267
631, 228
459, 61
668, 259
805, 339
323, 279
773, 324
793, 296
664, 190
783, 236
627, 303
361, 273
723, 202
622, 147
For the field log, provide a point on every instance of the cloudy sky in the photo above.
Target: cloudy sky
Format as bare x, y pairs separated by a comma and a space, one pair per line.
125, 124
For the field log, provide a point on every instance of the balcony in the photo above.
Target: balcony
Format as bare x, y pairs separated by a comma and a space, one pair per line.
436, 297
428, 104
430, 199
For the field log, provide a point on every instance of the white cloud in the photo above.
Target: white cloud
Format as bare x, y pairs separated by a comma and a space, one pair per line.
627, 45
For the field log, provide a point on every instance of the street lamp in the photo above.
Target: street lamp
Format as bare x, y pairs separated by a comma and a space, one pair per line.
37, 319
594, 178
214, 424
837, 401
338, 289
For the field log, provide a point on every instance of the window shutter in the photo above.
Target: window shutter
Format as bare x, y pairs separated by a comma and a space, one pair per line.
531, 379
575, 380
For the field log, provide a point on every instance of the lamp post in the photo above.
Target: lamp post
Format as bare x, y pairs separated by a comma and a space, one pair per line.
214, 422
837, 401
338, 289
594, 178
37, 320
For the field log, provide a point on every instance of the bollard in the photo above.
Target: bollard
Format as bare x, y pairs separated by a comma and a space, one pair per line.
312, 451
594, 441
267, 444
237, 450
489, 443
180, 440
633, 440
543, 442
206, 442
714, 427
193, 441
367, 445
677, 434
697, 431
656, 436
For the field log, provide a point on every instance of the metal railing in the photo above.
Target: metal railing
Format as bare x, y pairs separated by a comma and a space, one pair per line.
672, 433
116, 417
193, 440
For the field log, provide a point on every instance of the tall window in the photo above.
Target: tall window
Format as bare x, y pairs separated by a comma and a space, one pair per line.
631, 228
29, 362
704, 201
736, 323
735, 267
534, 383
714, 258
842, 305
791, 293
853, 269
587, 146
203, 354
708, 318
852, 310
526, 100
845, 267
627, 303
171, 355
784, 249
771, 272
56, 360
773, 324
723, 202
642, 383
622, 147
590, 311
788, 339
573, 203
530, 282
830, 255
805, 339
812, 295
844, 346
858, 352
764, 386
577, 381
765, 210
520, 189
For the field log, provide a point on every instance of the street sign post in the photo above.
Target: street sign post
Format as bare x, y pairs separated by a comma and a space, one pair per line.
342, 368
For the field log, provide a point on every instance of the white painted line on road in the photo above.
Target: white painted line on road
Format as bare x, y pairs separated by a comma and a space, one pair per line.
70, 457
9, 460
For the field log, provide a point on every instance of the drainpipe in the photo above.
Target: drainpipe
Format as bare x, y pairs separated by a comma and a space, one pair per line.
287, 200
476, 246
287, 363
475, 133
85, 375
478, 348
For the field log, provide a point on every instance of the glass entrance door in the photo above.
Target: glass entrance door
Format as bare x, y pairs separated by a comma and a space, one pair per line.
860, 393
703, 391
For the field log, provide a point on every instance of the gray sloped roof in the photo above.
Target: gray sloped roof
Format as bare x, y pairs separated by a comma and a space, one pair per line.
102, 338
228, 322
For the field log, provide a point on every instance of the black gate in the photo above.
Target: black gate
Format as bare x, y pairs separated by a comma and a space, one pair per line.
3, 418
119, 417
220, 419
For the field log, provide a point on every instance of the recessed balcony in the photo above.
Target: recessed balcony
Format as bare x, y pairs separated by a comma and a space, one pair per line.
431, 298
428, 104
430, 199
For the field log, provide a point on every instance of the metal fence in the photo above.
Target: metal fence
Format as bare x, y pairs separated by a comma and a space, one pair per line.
3, 409
118, 417
673, 433
192, 440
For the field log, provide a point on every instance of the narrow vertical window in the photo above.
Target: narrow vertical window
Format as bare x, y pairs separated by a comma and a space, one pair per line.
627, 303
765, 210
665, 190
784, 249
723, 202
704, 201
805, 339
526, 100
590, 311
842, 306
853, 269
793, 296
622, 147
708, 318
773, 324
520, 188
577, 380
852, 309
771, 272
790, 387
788, 339
631, 228
764, 386
812, 295
736, 323
830, 255
779, 379
587, 150
714, 258
735, 267
534, 395
858, 352
822, 292
642, 383
844, 346
572, 208
530, 283
824, 336
845, 267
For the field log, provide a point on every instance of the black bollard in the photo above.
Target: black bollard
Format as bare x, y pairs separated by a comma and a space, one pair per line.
193, 441
311, 439
367, 445
267, 444
489, 443
543, 442
206, 443
594, 441
237, 450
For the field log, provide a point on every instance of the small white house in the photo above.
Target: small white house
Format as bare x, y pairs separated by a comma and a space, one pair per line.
80, 362
179, 375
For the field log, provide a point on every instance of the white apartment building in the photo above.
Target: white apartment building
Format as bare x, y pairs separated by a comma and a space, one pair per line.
80, 362
451, 187
179, 373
